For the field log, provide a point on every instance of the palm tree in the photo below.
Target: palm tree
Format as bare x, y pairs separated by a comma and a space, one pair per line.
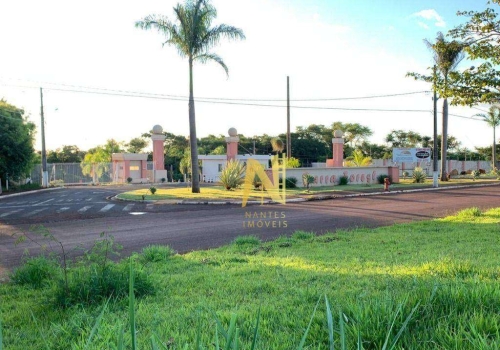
493, 120
358, 159
193, 37
447, 56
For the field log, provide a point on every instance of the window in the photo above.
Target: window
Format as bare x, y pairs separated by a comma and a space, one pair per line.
134, 168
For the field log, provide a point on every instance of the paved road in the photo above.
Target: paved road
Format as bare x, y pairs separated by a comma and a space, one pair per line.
187, 227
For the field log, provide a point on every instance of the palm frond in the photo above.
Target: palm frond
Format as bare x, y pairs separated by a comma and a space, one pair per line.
213, 36
203, 58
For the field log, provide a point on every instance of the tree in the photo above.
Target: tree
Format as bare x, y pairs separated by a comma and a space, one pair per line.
193, 37
358, 159
492, 118
447, 56
402, 138
66, 154
354, 133
16, 145
136, 145
97, 160
481, 35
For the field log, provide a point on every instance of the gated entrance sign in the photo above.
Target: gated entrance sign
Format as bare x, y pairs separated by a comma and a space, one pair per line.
411, 155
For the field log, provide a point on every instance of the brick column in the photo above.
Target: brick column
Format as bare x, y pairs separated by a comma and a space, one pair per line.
338, 149
232, 144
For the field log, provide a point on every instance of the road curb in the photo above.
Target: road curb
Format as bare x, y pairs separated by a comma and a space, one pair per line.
29, 192
298, 200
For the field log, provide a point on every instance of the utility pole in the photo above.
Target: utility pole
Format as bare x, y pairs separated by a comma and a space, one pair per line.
435, 172
45, 175
288, 136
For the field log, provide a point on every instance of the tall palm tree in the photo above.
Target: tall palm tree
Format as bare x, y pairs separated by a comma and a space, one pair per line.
193, 37
358, 159
493, 120
447, 56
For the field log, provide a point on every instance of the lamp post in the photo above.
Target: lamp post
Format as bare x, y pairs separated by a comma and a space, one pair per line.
45, 175
435, 172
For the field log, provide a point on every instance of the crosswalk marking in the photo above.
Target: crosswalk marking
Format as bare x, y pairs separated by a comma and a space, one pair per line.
128, 207
84, 209
62, 209
149, 206
106, 208
34, 212
9, 213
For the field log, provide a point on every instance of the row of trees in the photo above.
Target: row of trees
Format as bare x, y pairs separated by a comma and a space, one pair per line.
478, 39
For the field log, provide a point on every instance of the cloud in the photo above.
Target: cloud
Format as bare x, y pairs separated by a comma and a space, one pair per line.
431, 14
423, 25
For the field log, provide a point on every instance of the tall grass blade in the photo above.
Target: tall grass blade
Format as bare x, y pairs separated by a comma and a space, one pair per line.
158, 341
303, 340
343, 344
121, 340
255, 332
360, 341
329, 319
198, 332
386, 343
154, 345
39, 331
403, 327
131, 306
96, 325
1, 336
235, 343
217, 346
231, 332
220, 327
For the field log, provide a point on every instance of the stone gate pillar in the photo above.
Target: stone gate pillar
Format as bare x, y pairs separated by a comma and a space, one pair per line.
232, 144
338, 148
158, 154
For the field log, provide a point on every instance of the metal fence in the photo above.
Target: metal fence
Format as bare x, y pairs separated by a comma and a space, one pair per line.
78, 173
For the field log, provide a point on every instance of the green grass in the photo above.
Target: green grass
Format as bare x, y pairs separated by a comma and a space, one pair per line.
445, 271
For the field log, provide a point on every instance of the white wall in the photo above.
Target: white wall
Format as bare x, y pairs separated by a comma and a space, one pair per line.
329, 176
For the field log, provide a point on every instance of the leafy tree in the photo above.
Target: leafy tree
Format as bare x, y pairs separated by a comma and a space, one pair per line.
136, 145
402, 138
16, 145
447, 56
193, 37
66, 154
375, 151
354, 133
358, 159
96, 161
493, 120
481, 35
219, 150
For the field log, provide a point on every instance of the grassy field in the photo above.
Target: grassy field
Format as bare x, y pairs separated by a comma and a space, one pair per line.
220, 193
447, 269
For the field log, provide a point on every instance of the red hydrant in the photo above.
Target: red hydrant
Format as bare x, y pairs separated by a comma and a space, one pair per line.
386, 184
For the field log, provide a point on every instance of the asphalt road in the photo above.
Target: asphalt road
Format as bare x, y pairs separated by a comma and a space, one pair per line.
192, 227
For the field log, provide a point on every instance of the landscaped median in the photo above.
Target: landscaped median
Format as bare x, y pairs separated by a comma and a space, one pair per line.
220, 194
437, 281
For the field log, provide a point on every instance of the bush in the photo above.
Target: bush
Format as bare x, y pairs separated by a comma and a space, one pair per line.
152, 189
36, 272
232, 176
463, 173
163, 180
381, 178
419, 175
470, 212
307, 180
157, 253
495, 172
290, 182
405, 175
247, 240
343, 180
129, 179
475, 174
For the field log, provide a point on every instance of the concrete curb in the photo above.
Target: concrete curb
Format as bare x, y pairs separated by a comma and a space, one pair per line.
298, 200
29, 192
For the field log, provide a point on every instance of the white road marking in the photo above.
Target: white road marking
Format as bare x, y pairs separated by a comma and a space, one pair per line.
45, 202
88, 199
60, 200
84, 209
35, 212
128, 207
62, 209
106, 208
149, 206
10, 213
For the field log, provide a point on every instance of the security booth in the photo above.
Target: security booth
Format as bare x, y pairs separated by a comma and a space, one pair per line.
130, 165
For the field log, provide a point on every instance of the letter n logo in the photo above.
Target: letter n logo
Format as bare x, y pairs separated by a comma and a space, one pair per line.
272, 188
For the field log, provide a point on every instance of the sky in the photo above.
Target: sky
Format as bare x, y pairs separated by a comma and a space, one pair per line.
330, 49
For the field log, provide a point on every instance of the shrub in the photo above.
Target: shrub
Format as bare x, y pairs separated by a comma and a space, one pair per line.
129, 179
247, 240
419, 175
152, 189
381, 178
163, 180
157, 253
256, 182
307, 180
343, 180
470, 212
56, 183
303, 236
232, 176
290, 182
405, 174
475, 174
292, 163
36, 272
463, 173
495, 172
